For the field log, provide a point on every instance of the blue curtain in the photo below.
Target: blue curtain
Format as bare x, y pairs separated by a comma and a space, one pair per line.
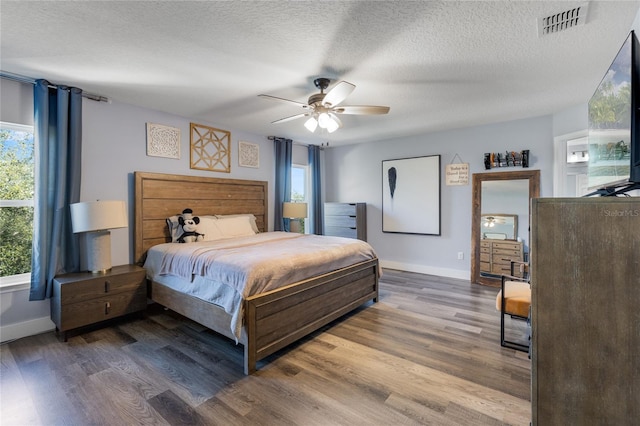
282, 149
58, 139
315, 201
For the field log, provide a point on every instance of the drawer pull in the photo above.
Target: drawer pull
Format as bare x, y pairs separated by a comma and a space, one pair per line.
107, 286
107, 308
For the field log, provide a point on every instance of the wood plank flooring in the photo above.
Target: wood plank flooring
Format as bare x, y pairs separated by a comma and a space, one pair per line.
427, 353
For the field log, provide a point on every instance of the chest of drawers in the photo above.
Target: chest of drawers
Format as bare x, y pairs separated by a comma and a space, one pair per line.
346, 220
496, 256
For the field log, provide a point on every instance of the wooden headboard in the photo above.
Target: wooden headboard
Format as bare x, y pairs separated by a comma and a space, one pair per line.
159, 196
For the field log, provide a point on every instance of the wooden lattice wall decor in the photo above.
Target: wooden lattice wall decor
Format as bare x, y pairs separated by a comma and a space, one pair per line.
210, 149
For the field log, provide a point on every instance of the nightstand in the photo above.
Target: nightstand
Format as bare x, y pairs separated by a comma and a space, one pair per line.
83, 298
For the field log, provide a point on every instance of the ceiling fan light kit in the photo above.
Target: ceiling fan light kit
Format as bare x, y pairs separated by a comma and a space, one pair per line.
311, 124
322, 108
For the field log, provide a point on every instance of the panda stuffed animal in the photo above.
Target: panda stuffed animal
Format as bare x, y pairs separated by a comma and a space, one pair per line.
189, 224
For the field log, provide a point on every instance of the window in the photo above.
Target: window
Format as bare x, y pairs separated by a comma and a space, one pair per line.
299, 183
299, 188
16, 198
578, 150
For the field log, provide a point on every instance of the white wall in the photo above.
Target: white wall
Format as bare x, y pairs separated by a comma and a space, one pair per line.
16, 102
353, 174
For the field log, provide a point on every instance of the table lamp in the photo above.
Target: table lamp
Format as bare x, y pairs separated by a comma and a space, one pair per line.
295, 212
95, 219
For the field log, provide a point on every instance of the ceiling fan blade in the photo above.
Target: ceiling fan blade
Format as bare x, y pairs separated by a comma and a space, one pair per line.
337, 120
275, 98
361, 109
338, 93
293, 117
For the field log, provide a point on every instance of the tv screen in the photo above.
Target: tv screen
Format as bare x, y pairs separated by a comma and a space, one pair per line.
610, 123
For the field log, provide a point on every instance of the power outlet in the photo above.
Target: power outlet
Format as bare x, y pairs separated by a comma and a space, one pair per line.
460, 255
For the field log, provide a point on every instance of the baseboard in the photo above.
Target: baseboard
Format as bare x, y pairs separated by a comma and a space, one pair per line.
26, 328
423, 269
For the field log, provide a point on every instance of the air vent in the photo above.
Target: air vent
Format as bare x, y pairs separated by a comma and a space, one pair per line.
563, 20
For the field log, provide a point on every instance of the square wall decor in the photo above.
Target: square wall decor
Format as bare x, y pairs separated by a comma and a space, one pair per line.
210, 149
248, 154
163, 141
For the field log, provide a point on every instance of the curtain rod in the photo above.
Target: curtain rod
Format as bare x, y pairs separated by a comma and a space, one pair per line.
298, 143
29, 80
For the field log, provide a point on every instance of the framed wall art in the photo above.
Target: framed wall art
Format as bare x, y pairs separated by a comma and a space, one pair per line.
210, 149
248, 154
411, 195
163, 141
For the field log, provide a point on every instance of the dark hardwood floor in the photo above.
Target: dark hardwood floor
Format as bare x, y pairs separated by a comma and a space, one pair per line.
427, 353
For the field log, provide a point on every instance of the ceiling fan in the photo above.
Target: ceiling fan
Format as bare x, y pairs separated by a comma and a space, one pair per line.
491, 221
323, 108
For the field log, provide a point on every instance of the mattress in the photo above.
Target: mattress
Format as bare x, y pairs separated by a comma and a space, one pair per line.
225, 272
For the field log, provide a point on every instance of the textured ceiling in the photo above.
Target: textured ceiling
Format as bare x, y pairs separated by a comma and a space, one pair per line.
438, 65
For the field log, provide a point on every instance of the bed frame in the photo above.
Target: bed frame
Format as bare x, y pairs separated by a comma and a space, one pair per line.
273, 319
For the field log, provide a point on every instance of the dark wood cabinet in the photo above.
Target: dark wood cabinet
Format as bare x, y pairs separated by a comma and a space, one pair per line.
346, 220
585, 282
83, 298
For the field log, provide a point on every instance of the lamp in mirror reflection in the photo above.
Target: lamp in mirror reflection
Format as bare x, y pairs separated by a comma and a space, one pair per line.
94, 219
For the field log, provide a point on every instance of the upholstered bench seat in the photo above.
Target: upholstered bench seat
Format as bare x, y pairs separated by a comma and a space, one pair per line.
517, 296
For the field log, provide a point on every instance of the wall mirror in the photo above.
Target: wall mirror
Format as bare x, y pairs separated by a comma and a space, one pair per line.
508, 193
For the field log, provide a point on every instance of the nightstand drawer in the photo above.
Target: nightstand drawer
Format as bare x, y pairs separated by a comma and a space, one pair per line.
102, 308
72, 291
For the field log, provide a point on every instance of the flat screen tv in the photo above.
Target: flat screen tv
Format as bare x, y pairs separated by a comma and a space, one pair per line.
614, 125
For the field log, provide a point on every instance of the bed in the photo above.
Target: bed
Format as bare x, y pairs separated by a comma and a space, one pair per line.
272, 319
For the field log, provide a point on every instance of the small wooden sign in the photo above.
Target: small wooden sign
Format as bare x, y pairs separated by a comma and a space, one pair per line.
457, 174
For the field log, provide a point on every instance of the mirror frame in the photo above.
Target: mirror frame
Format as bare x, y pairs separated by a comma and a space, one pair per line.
533, 176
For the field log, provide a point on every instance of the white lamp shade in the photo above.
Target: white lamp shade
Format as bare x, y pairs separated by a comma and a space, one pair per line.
332, 126
311, 124
324, 120
294, 210
98, 215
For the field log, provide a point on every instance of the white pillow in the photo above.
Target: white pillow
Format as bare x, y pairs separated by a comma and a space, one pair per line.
238, 226
208, 226
252, 219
